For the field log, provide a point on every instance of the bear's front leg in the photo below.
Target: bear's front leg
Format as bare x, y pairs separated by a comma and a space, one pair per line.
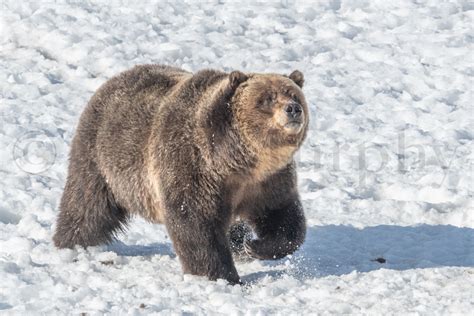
280, 231
197, 223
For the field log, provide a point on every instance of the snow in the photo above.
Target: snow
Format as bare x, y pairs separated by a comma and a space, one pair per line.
386, 171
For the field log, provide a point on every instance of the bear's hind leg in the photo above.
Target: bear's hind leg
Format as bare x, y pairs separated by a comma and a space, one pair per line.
89, 215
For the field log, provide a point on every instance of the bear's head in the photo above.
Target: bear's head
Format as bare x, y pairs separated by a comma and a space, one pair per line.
270, 109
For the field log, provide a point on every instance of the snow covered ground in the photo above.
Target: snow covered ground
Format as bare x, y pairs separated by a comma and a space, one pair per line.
385, 174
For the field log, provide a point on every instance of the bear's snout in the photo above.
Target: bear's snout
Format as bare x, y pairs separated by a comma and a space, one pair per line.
293, 110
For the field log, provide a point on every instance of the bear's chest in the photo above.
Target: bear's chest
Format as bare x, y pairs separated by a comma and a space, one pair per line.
271, 161
243, 191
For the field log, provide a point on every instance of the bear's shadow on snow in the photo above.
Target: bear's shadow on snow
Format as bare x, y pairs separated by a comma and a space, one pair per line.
338, 250
123, 249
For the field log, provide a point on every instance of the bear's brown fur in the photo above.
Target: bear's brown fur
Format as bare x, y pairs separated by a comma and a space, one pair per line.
196, 152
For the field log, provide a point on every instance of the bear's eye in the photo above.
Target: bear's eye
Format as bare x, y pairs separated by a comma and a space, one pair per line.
267, 100
292, 95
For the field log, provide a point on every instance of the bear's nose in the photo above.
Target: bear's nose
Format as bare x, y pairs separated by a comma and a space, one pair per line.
293, 110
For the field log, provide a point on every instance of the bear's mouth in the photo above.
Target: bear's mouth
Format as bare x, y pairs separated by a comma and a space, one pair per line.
293, 127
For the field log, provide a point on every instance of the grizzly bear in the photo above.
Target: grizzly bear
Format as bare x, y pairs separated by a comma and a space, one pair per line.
198, 152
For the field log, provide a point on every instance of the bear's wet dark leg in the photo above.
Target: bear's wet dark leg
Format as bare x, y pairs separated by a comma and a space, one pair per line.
238, 234
197, 223
280, 232
202, 246
88, 214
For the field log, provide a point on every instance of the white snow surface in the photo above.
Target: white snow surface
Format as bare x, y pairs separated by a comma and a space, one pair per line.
386, 170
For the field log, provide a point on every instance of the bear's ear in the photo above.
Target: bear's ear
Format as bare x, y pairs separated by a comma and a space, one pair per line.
297, 77
236, 78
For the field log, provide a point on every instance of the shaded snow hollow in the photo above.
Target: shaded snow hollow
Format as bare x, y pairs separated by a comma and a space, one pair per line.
385, 174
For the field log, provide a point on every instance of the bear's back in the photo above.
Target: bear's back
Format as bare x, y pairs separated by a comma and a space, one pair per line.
126, 106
